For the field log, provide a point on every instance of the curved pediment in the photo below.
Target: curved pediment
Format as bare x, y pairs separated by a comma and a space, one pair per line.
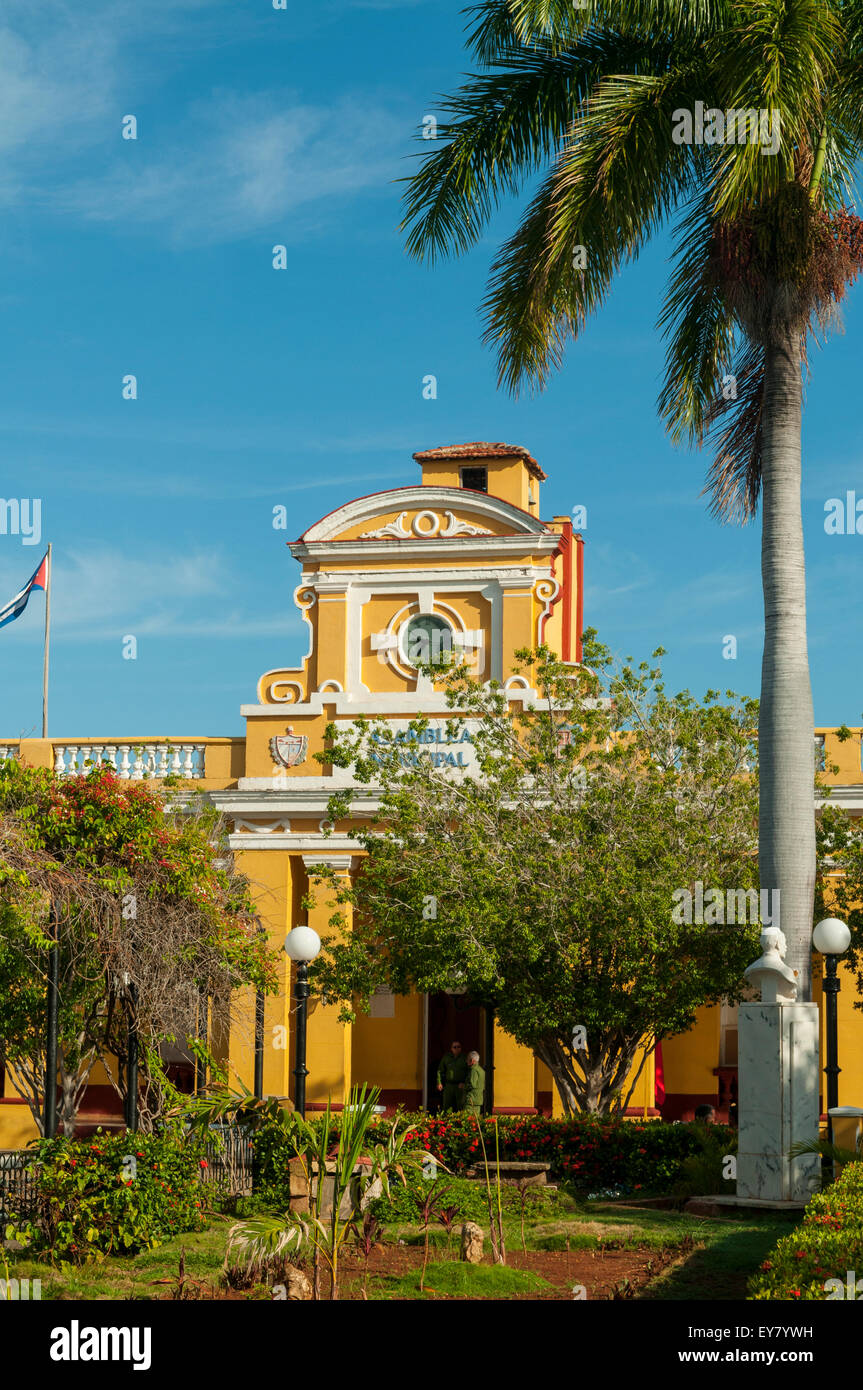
424, 513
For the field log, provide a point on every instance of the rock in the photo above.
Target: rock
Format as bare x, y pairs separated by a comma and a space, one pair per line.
472, 1241
701, 1206
296, 1288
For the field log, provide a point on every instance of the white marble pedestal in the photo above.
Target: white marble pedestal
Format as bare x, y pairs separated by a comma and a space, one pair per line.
778, 1101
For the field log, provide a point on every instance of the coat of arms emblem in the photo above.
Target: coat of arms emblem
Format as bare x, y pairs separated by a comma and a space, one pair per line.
289, 749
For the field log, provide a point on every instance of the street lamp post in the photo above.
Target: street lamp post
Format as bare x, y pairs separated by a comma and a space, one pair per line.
259, 1031
132, 1064
51, 1041
831, 938
302, 945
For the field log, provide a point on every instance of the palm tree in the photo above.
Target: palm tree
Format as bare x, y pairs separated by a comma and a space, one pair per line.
606, 102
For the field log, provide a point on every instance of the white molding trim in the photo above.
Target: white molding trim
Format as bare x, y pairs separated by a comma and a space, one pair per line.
435, 531
341, 863
541, 543
512, 575
296, 844
849, 797
303, 589
546, 591
275, 825
383, 703
421, 497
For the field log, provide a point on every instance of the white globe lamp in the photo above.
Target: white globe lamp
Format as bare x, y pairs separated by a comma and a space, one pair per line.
302, 944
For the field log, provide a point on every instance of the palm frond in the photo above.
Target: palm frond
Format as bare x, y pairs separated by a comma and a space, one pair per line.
261, 1240
699, 326
778, 59
506, 125
734, 477
613, 185
834, 1152
500, 25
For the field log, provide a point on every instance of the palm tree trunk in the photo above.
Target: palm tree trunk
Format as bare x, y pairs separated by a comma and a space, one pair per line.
786, 724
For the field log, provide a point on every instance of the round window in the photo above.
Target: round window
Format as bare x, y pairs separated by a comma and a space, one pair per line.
426, 639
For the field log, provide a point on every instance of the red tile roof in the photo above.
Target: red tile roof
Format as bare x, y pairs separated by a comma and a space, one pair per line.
481, 450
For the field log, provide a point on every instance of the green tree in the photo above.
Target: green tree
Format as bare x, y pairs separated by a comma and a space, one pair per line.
148, 916
546, 880
597, 99
839, 885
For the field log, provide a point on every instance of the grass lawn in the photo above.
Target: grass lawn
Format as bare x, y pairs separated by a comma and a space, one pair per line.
459, 1280
678, 1257
132, 1278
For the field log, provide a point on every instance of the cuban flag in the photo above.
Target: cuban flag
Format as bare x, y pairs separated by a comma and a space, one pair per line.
15, 607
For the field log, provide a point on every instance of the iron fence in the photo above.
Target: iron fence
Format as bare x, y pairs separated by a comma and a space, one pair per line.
230, 1160
230, 1171
18, 1193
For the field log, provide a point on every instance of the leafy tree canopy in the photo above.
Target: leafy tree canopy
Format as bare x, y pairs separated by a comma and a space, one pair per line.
543, 880
147, 911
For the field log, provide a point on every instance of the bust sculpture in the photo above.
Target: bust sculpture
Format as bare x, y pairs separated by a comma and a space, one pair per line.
770, 974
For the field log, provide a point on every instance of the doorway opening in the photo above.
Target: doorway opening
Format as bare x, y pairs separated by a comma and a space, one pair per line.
458, 1018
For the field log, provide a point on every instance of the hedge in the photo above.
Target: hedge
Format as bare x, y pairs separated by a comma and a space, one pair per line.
828, 1244
466, 1200
588, 1153
114, 1194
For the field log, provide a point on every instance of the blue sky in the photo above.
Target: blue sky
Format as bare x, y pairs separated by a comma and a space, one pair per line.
304, 387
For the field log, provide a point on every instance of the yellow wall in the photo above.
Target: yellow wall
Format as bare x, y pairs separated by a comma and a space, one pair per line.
688, 1060
17, 1126
389, 1051
508, 478
514, 1073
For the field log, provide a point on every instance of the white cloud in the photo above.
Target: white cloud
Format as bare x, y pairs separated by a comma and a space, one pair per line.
227, 167
52, 83
245, 164
104, 592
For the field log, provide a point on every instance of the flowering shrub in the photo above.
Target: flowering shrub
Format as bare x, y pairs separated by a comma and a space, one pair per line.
115, 1194
827, 1245
587, 1152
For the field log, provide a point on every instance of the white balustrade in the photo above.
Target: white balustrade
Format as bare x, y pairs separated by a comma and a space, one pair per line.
130, 761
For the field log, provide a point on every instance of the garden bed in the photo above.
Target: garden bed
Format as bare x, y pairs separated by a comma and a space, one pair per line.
394, 1272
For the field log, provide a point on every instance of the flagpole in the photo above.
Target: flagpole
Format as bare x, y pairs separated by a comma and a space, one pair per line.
47, 639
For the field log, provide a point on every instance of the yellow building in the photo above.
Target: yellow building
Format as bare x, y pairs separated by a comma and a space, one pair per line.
462, 557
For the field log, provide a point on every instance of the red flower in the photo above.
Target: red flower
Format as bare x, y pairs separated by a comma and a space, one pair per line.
204, 1164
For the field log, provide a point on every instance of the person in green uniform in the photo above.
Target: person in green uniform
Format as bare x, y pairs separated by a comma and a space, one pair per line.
451, 1076
474, 1087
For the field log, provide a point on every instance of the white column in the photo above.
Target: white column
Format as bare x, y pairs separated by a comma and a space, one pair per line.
778, 1098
